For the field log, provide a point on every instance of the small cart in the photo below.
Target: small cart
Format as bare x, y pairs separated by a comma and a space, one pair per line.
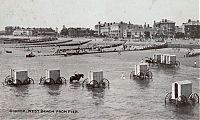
18, 77
96, 80
52, 77
141, 72
182, 94
164, 60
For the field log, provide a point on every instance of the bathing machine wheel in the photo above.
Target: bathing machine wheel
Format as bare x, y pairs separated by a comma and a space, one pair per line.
168, 97
177, 63
141, 75
174, 64
148, 75
194, 98
28, 81
95, 84
85, 82
50, 81
132, 75
46, 81
105, 82
61, 80
10, 81
181, 100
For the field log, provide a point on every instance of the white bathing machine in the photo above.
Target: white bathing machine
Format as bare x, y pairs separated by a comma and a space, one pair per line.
180, 88
96, 80
19, 74
157, 57
18, 77
96, 75
182, 93
52, 77
171, 59
53, 74
141, 71
141, 68
164, 58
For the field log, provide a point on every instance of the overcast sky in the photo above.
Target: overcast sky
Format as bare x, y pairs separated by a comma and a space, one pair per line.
87, 13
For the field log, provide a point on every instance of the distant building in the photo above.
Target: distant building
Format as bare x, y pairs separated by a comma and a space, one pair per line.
97, 28
77, 32
113, 30
43, 31
140, 32
192, 29
22, 32
105, 29
134, 32
179, 29
10, 29
165, 27
3, 32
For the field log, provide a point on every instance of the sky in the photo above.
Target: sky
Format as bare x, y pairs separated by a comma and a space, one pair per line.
87, 13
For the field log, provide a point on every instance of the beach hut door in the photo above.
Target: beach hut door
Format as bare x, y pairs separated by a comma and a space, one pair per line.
176, 90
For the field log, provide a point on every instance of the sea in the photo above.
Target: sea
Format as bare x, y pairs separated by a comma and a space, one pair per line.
124, 99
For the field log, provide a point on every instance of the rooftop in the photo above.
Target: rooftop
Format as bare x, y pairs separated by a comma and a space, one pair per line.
165, 21
192, 23
183, 82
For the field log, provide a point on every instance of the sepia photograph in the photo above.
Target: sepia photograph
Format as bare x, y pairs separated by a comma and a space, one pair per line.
99, 59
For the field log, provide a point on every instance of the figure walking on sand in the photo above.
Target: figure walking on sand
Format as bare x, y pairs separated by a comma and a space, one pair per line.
123, 76
195, 64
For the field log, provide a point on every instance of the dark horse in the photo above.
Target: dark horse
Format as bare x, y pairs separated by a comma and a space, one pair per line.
76, 77
150, 60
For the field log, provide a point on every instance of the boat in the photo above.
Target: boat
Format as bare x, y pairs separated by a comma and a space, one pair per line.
8, 51
30, 55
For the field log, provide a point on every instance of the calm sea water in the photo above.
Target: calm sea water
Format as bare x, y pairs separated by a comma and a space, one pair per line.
125, 99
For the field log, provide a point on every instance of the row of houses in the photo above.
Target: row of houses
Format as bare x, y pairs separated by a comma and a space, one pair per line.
18, 31
163, 28
191, 29
76, 32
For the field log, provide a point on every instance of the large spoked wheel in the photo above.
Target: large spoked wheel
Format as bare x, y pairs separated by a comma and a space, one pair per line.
94, 84
132, 75
28, 81
85, 82
42, 80
31, 80
18, 82
177, 63
181, 100
49, 81
141, 75
61, 80
9, 80
168, 97
194, 98
148, 75
105, 82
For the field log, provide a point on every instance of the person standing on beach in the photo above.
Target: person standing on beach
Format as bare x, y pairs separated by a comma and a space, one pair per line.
123, 76
195, 64
142, 61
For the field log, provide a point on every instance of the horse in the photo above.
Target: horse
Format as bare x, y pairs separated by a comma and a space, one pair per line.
76, 77
150, 61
